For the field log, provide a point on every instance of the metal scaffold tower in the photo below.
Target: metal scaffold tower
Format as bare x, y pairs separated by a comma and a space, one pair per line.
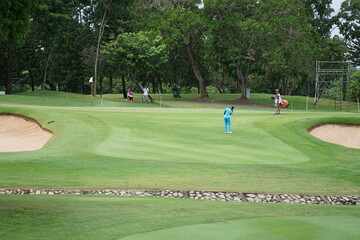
332, 85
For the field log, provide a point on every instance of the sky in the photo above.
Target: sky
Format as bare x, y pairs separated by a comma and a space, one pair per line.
336, 6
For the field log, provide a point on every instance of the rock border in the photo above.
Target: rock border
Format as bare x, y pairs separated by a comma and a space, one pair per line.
201, 195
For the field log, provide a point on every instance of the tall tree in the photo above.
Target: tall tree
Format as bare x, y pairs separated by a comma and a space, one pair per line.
292, 46
181, 24
106, 19
137, 52
48, 25
320, 13
349, 26
238, 36
15, 22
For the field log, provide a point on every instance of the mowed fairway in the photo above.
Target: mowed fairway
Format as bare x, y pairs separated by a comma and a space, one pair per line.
145, 146
100, 217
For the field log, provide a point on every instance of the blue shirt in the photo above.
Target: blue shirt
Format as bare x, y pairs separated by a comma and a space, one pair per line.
228, 112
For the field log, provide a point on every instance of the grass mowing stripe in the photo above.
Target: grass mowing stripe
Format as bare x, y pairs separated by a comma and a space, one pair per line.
171, 138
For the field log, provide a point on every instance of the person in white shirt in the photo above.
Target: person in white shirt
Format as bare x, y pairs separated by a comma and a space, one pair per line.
278, 101
145, 96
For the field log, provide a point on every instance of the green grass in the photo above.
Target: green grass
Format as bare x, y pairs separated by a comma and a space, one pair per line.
257, 99
100, 217
61, 99
178, 148
48, 98
175, 145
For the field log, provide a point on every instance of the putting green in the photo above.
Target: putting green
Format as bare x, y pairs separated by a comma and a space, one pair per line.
194, 137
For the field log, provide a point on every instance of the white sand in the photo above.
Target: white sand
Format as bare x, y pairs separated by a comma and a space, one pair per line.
21, 134
342, 134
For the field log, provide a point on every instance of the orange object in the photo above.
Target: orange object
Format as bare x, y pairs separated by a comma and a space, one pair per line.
284, 103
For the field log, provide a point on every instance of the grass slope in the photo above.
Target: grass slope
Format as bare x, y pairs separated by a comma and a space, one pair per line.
163, 148
179, 146
100, 217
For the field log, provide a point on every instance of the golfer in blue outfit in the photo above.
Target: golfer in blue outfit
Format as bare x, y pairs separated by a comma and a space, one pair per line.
227, 120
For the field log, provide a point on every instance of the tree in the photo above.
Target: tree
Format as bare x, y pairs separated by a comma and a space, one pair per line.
181, 24
106, 19
137, 52
292, 47
66, 68
349, 26
355, 85
29, 59
49, 23
320, 13
239, 35
15, 22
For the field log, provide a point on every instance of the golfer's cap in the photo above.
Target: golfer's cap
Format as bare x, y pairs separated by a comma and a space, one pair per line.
276, 90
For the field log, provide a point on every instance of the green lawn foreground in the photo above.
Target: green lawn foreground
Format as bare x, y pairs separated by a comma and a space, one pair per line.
101, 217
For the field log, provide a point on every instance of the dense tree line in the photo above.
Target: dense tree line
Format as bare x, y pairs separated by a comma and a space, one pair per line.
222, 45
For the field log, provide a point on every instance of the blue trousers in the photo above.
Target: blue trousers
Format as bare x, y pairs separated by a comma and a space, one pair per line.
227, 124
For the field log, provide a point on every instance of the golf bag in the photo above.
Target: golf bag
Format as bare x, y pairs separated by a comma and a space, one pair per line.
284, 103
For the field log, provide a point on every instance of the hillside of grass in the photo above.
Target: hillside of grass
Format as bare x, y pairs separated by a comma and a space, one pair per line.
258, 100
60, 99
180, 148
261, 100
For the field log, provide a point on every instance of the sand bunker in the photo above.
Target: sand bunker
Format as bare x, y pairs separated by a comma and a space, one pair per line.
342, 134
21, 134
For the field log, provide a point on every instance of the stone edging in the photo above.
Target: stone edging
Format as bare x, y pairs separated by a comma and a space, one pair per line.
204, 195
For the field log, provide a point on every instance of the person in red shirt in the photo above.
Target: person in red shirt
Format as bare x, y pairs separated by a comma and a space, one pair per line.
130, 96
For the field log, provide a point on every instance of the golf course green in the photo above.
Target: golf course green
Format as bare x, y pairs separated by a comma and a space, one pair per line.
106, 143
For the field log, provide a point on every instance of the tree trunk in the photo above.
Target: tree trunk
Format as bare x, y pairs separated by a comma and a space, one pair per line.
157, 83
32, 82
285, 85
123, 86
196, 70
46, 68
154, 84
160, 86
10, 56
111, 83
82, 86
241, 78
220, 84
292, 86
134, 79
101, 85
101, 32
220, 81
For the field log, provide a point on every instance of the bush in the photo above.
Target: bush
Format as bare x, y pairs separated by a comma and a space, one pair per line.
355, 85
